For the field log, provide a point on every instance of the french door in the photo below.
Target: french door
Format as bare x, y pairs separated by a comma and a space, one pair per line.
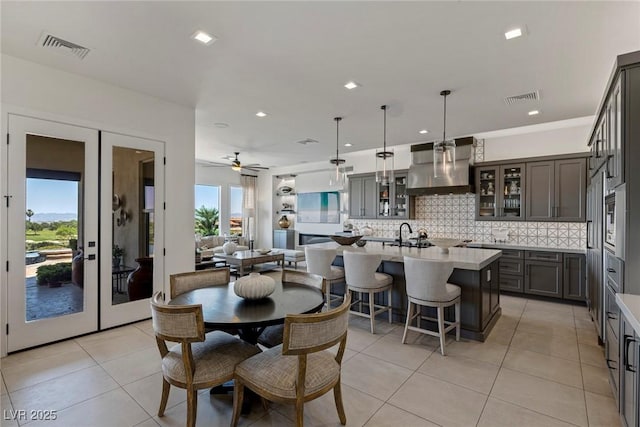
52, 231
132, 218
84, 230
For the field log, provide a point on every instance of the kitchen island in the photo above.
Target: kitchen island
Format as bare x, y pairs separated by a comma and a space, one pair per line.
475, 271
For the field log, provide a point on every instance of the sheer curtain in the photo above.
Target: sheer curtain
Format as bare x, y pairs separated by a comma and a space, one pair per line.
249, 203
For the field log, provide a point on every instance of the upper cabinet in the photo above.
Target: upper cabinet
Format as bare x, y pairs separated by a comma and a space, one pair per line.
556, 190
613, 148
537, 189
500, 192
369, 199
363, 196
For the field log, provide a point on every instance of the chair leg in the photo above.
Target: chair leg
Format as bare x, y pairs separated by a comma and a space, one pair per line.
408, 322
165, 397
337, 396
458, 321
419, 315
299, 413
372, 310
328, 296
192, 406
390, 305
238, 395
441, 328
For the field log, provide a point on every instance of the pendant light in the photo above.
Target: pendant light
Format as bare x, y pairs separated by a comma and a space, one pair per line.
384, 158
444, 152
337, 177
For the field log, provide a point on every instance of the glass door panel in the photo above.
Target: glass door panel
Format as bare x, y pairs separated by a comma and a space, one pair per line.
401, 199
512, 192
52, 231
487, 206
384, 200
133, 204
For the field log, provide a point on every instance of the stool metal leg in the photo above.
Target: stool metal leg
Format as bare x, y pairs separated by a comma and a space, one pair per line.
372, 312
441, 328
458, 321
390, 314
406, 325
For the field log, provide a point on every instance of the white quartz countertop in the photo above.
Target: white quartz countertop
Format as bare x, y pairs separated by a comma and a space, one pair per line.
630, 307
462, 258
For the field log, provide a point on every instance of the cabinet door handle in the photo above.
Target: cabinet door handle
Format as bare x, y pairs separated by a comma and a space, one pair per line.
628, 339
611, 316
588, 241
609, 363
606, 167
611, 270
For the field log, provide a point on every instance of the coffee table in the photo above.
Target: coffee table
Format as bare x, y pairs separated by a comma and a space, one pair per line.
247, 259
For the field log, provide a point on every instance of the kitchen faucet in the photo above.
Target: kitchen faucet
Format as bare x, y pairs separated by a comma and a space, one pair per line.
400, 232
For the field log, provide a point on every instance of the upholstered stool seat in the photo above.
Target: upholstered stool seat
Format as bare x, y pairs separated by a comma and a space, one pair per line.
427, 286
319, 261
361, 276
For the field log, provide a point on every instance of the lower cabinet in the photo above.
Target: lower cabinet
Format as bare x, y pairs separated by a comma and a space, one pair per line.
629, 377
550, 274
543, 278
612, 341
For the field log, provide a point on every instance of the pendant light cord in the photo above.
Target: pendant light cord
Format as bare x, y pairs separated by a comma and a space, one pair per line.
337, 119
444, 128
384, 132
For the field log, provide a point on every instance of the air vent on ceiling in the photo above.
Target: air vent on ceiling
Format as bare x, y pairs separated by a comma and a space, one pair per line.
51, 42
525, 97
307, 141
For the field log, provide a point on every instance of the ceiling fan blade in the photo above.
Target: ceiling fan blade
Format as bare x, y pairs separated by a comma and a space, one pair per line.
255, 168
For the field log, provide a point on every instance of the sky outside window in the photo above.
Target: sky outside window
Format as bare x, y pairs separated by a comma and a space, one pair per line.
208, 196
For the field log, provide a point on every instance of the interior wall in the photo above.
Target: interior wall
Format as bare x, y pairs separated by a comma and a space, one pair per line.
39, 91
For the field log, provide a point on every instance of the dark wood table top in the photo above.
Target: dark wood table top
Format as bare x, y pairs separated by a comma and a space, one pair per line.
222, 308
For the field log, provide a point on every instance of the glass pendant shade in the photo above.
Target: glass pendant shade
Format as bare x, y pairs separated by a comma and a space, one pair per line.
444, 152
337, 177
384, 158
384, 167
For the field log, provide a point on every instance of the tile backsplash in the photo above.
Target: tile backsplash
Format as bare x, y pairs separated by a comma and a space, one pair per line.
454, 216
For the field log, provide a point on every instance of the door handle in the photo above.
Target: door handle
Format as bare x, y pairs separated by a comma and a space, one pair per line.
609, 362
91, 257
607, 173
588, 241
611, 270
628, 339
611, 316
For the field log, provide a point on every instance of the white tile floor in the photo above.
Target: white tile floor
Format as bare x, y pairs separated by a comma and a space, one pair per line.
541, 366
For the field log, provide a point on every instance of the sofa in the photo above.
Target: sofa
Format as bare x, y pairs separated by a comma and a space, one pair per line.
210, 245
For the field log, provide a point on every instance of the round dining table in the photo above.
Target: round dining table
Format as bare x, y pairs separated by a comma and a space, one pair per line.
223, 309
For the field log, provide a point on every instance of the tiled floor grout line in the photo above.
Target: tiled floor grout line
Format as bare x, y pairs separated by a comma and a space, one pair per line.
500, 366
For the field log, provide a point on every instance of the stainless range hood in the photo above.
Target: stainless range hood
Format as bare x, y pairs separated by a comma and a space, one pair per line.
421, 180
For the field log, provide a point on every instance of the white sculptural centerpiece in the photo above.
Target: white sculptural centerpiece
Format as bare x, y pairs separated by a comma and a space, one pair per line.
229, 247
254, 286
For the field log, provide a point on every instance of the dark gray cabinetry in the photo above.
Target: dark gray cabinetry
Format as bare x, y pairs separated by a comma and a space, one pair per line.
512, 270
543, 273
613, 148
574, 281
556, 190
393, 200
612, 341
284, 239
596, 146
629, 394
363, 196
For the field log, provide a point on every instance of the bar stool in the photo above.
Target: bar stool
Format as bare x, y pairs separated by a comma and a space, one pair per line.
427, 286
361, 276
319, 262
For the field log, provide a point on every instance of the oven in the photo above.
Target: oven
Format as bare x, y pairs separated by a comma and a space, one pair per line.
614, 221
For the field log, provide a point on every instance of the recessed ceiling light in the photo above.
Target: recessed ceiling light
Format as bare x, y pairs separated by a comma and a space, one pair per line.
423, 131
261, 114
221, 125
203, 37
348, 144
351, 85
512, 34
534, 112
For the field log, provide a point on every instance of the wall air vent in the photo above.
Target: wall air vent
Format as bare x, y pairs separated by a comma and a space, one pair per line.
522, 98
56, 44
307, 141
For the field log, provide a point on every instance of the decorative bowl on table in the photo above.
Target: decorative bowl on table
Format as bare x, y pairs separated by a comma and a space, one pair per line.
345, 240
445, 244
254, 286
263, 251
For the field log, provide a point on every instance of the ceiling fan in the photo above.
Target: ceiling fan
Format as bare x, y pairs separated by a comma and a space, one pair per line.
236, 165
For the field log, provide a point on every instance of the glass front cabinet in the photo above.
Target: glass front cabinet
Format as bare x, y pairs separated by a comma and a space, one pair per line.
500, 192
393, 200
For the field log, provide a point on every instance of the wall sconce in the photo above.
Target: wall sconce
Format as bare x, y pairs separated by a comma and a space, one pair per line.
117, 206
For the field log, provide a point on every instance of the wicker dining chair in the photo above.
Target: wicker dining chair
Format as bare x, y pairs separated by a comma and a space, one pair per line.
301, 369
273, 335
199, 360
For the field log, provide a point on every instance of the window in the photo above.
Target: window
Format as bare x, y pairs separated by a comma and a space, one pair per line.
207, 210
235, 205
